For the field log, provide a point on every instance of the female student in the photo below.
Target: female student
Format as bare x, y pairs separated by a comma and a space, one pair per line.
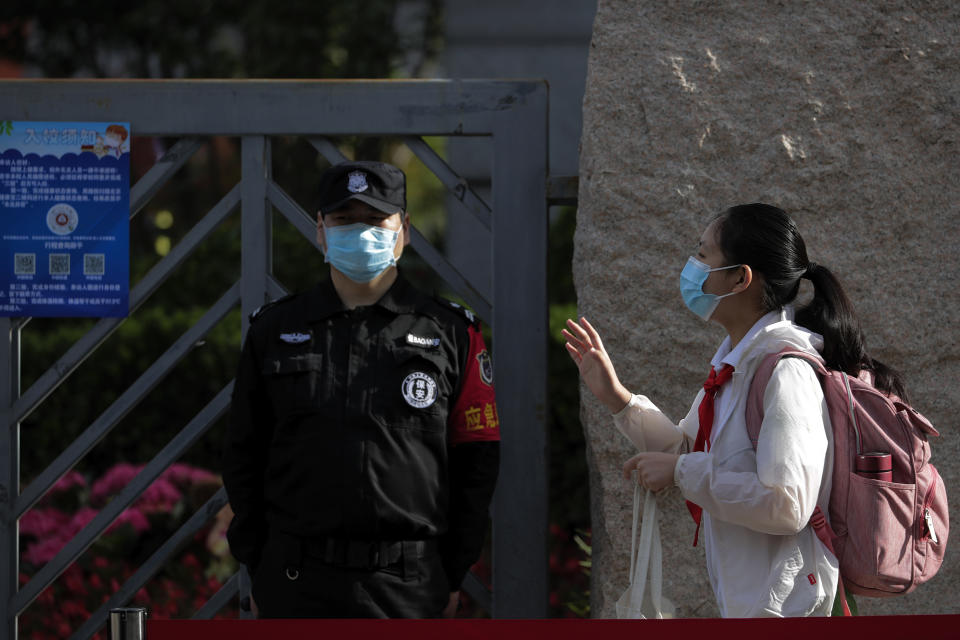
751, 507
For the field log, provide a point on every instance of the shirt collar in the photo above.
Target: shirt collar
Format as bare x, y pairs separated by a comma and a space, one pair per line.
732, 357
324, 301
401, 297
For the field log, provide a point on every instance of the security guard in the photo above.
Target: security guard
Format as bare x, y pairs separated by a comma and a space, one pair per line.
363, 444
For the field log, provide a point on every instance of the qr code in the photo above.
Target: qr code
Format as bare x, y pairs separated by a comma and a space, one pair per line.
59, 264
93, 264
24, 263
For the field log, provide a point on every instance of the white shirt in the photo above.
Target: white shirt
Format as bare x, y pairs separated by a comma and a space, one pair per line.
762, 557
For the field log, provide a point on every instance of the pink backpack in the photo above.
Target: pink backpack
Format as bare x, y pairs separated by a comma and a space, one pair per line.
888, 527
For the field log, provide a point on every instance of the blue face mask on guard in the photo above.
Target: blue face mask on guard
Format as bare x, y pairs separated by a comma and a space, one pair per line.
694, 274
360, 251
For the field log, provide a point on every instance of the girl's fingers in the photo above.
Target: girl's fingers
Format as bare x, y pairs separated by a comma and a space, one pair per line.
582, 335
574, 354
630, 466
576, 342
592, 333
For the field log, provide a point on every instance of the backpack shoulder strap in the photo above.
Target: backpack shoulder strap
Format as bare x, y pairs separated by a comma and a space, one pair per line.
761, 378
758, 387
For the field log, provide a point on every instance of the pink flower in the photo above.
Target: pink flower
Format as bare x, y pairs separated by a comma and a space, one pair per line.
69, 480
161, 495
79, 520
49, 544
96, 583
184, 475
133, 517
113, 481
40, 553
74, 582
46, 597
42, 522
73, 609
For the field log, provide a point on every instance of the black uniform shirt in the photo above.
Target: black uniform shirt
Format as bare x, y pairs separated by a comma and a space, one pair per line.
376, 423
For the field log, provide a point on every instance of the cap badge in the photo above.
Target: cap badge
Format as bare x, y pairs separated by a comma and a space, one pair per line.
419, 390
357, 181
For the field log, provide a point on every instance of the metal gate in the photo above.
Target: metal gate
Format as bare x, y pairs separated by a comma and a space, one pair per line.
513, 299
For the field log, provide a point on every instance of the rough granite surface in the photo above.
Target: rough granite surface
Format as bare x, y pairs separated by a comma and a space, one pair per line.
843, 113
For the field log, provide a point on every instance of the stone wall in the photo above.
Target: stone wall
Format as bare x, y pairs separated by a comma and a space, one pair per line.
843, 113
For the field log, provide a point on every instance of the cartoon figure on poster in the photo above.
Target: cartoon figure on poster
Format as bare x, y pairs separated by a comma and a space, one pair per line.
112, 142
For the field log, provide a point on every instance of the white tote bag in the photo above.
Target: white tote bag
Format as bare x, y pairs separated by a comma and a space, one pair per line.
639, 601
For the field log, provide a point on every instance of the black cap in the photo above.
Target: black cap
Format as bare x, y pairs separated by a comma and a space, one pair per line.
378, 184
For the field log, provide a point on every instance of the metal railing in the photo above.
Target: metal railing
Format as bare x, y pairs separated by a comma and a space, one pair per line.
512, 299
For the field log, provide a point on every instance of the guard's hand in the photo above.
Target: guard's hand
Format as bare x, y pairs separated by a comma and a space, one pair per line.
248, 604
452, 605
654, 469
596, 369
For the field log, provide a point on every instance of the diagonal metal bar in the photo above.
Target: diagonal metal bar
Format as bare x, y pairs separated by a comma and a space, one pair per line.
292, 212
82, 348
220, 599
157, 176
327, 149
82, 540
451, 275
478, 591
274, 289
153, 564
126, 402
456, 184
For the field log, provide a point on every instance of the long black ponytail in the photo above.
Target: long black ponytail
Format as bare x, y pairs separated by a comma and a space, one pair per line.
767, 239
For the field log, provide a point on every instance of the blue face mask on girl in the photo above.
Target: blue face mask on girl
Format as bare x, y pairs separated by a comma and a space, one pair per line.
360, 251
694, 274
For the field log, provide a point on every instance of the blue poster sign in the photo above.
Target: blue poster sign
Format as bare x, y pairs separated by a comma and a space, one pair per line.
64, 219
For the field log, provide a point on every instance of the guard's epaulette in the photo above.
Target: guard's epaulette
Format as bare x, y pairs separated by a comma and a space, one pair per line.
461, 310
269, 305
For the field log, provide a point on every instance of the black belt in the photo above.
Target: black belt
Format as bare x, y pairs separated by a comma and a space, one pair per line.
356, 554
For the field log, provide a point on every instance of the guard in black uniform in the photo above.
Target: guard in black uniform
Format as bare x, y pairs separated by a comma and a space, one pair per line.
363, 444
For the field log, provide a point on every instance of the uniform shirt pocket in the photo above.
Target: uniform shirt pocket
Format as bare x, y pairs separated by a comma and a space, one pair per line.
294, 382
413, 392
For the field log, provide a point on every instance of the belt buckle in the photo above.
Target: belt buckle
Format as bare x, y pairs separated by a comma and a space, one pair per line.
358, 554
410, 557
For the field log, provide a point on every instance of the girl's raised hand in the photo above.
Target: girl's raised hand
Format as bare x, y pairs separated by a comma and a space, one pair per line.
596, 370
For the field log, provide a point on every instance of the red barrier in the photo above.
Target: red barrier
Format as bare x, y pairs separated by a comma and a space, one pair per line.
881, 627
